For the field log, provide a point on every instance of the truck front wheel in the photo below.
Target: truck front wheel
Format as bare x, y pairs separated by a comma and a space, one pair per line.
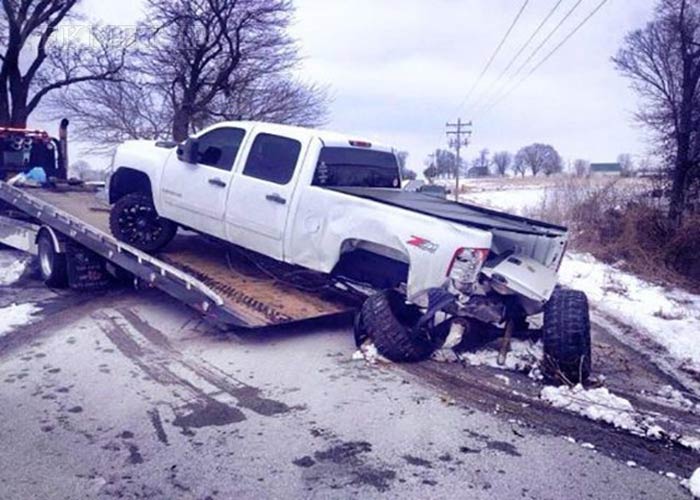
566, 335
134, 220
388, 321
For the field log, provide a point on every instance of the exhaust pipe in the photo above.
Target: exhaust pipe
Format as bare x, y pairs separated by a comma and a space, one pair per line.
62, 172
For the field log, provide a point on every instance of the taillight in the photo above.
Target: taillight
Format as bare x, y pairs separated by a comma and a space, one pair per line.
466, 265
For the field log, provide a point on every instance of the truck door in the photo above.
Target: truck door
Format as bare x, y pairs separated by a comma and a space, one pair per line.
261, 193
195, 194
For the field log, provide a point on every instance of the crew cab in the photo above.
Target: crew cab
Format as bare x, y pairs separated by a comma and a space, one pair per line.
333, 204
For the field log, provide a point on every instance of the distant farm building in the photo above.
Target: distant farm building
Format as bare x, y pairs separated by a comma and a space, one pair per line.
611, 169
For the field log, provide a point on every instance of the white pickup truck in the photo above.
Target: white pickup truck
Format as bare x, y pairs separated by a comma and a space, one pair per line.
333, 204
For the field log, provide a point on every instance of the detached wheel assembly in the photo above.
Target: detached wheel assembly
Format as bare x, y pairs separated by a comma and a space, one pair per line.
134, 220
53, 266
386, 319
566, 335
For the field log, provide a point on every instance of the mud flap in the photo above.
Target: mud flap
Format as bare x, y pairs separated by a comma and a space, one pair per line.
86, 269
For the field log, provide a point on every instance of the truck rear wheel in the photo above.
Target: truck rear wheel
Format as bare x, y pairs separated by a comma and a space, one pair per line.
53, 265
388, 321
566, 335
134, 220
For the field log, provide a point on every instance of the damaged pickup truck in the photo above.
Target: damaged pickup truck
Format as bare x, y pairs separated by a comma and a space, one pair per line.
433, 270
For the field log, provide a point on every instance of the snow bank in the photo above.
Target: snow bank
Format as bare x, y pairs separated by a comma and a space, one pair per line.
12, 266
596, 404
670, 317
524, 356
694, 483
16, 315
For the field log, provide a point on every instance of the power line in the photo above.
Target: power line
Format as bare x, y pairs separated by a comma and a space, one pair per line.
538, 48
550, 54
493, 56
519, 53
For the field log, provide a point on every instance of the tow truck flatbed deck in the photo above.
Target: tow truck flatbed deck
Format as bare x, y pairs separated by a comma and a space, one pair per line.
235, 287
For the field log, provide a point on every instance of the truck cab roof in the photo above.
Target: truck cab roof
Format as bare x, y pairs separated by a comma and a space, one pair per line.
329, 138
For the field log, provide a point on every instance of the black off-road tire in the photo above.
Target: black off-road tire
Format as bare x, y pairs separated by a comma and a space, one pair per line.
52, 265
388, 320
135, 209
566, 336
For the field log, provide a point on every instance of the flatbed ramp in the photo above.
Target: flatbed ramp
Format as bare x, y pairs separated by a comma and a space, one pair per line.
245, 290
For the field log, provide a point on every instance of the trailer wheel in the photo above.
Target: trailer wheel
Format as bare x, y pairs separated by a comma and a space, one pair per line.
134, 220
53, 265
566, 335
388, 321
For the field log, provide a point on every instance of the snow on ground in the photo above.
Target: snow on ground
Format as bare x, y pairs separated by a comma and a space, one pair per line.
669, 317
12, 266
601, 405
16, 315
694, 483
524, 356
597, 404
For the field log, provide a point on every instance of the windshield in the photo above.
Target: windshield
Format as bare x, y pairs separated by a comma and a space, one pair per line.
352, 167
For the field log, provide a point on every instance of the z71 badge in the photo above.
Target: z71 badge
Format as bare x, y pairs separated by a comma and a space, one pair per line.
423, 244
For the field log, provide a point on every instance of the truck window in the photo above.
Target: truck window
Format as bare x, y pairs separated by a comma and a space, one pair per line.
272, 158
219, 147
352, 167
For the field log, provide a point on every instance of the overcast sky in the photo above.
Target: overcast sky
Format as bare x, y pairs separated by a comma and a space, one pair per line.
399, 69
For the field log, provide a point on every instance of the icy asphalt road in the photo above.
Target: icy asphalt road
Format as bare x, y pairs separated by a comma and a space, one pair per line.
129, 395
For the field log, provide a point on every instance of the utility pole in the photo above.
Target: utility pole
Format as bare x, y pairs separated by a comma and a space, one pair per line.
458, 135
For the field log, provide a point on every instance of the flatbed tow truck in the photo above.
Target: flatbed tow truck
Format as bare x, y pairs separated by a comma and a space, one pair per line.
233, 292
231, 286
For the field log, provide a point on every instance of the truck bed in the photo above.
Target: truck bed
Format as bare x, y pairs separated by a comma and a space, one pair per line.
251, 290
460, 213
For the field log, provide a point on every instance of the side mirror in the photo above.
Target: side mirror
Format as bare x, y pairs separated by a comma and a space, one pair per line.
188, 151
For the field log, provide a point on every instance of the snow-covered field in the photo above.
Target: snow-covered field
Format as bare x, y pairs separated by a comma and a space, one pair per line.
517, 200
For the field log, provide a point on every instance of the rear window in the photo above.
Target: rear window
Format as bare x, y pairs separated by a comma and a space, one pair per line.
351, 167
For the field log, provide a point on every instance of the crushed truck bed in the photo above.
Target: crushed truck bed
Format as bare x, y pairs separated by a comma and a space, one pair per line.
460, 213
259, 291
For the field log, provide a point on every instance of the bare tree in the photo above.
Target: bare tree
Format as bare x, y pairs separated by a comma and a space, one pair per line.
483, 161
406, 173
35, 64
663, 62
430, 172
626, 164
539, 158
444, 162
518, 166
502, 161
210, 52
198, 62
581, 167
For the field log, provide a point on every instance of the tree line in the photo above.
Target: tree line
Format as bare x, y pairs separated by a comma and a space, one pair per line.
534, 159
187, 64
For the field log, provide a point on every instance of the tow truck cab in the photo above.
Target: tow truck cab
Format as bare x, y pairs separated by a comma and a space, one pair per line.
22, 150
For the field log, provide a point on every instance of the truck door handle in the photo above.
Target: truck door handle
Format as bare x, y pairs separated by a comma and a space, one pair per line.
217, 182
275, 198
